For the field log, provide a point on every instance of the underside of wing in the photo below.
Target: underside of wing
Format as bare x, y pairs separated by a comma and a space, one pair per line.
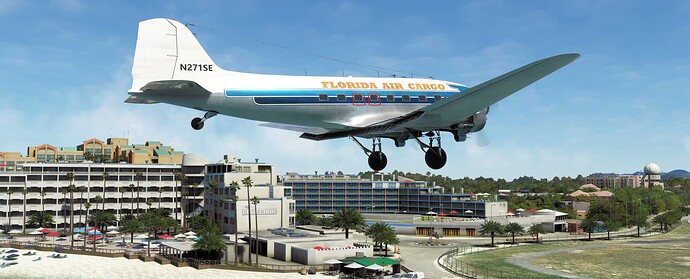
166, 87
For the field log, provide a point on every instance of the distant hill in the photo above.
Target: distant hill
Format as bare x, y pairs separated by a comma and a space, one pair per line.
676, 173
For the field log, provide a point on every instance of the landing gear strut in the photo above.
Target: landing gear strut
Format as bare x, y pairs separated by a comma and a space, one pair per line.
434, 156
198, 122
377, 159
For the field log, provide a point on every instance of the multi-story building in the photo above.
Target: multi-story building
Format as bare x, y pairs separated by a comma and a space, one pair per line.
331, 193
274, 209
614, 181
123, 192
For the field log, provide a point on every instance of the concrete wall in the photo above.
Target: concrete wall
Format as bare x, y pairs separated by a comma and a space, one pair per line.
314, 257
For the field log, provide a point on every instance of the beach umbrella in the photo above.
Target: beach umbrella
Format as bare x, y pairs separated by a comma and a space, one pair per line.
95, 237
469, 211
180, 236
354, 265
111, 228
190, 237
14, 232
441, 214
112, 232
44, 231
156, 242
35, 233
94, 232
61, 239
143, 235
53, 234
430, 213
166, 236
453, 212
374, 267
2, 231
190, 233
121, 244
332, 261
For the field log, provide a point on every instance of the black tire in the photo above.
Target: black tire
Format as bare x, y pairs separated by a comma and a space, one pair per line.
432, 158
377, 161
197, 124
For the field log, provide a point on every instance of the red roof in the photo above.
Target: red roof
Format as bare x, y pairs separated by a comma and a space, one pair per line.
532, 210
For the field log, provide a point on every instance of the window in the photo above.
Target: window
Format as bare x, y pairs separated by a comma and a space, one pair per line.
358, 97
390, 97
341, 97
406, 98
422, 98
373, 98
323, 97
437, 97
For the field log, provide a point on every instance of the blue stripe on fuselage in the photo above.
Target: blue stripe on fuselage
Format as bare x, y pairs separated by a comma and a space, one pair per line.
314, 96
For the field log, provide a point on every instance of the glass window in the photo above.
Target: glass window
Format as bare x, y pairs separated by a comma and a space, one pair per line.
390, 97
341, 97
323, 97
374, 98
437, 97
358, 97
406, 98
422, 98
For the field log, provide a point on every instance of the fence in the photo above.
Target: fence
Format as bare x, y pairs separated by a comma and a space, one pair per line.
449, 262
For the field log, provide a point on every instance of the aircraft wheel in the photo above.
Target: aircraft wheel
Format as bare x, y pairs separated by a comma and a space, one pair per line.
197, 124
432, 158
377, 161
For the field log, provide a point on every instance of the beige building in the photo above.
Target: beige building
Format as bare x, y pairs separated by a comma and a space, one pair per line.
13, 161
614, 181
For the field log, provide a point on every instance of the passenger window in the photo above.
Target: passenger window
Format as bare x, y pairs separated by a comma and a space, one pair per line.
323, 97
341, 97
390, 97
422, 98
358, 97
406, 98
437, 97
373, 98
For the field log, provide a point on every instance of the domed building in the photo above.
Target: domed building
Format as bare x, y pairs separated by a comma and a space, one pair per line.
652, 176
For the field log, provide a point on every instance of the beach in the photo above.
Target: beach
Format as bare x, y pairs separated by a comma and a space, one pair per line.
91, 267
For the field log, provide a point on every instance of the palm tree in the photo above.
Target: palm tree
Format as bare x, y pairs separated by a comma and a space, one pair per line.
105, 178
160, 197
514, 228
149, 202
138, 176
41, 219
87, 205
131, 208
96, 200
183, 206
348, 219
247, 182
535, 230
212, 185
24, 192
64, 192
180, 177
122, 191
304, 217
491, 228
235, 187
71, 188
9, 208
256, 201
81, 190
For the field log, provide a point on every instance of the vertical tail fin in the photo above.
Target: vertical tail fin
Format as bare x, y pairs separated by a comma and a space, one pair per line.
167, 50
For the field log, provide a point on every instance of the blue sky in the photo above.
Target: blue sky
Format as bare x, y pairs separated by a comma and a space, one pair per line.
66, 70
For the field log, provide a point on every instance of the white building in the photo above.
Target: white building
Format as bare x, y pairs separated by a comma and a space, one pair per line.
274, 210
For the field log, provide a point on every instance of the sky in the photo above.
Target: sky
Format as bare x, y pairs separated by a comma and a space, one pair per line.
65, 68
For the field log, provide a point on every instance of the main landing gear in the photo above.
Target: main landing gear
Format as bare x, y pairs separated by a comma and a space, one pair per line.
377, 160
198, 122
434, 156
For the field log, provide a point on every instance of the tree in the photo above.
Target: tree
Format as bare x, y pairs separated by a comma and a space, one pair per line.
103, 219
41, 219
64, 191
122, 197
149, 203
160, 198
381, 233
255, 202
535, 230
234, 186
514, 228
389, 237
105, 178
212, 185
347, 219
210, 241
131, 226
81, 190
71, 188
589, 225
491, 228
131, 200
9, 209
305, 217
98, 199
180, 177
138, 175
24, 192
247, 182
87, 205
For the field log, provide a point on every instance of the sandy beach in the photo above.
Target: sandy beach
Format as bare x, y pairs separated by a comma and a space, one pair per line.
79, 266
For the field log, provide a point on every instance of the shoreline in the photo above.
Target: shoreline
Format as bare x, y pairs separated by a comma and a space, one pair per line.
89, 267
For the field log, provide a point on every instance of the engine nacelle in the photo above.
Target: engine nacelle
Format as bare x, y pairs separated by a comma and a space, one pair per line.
472, 124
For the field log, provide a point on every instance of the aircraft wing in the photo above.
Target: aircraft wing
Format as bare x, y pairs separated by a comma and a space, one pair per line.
166, 87
449, 111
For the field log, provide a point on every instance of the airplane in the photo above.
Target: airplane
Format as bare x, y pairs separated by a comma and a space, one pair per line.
170, 66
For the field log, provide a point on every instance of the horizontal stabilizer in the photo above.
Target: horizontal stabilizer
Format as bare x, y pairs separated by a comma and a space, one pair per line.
139, 100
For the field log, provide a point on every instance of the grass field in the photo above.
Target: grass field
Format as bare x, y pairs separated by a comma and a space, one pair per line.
658, 258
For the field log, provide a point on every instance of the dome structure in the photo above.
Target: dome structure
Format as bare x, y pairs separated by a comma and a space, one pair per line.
190, 159
652, 169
